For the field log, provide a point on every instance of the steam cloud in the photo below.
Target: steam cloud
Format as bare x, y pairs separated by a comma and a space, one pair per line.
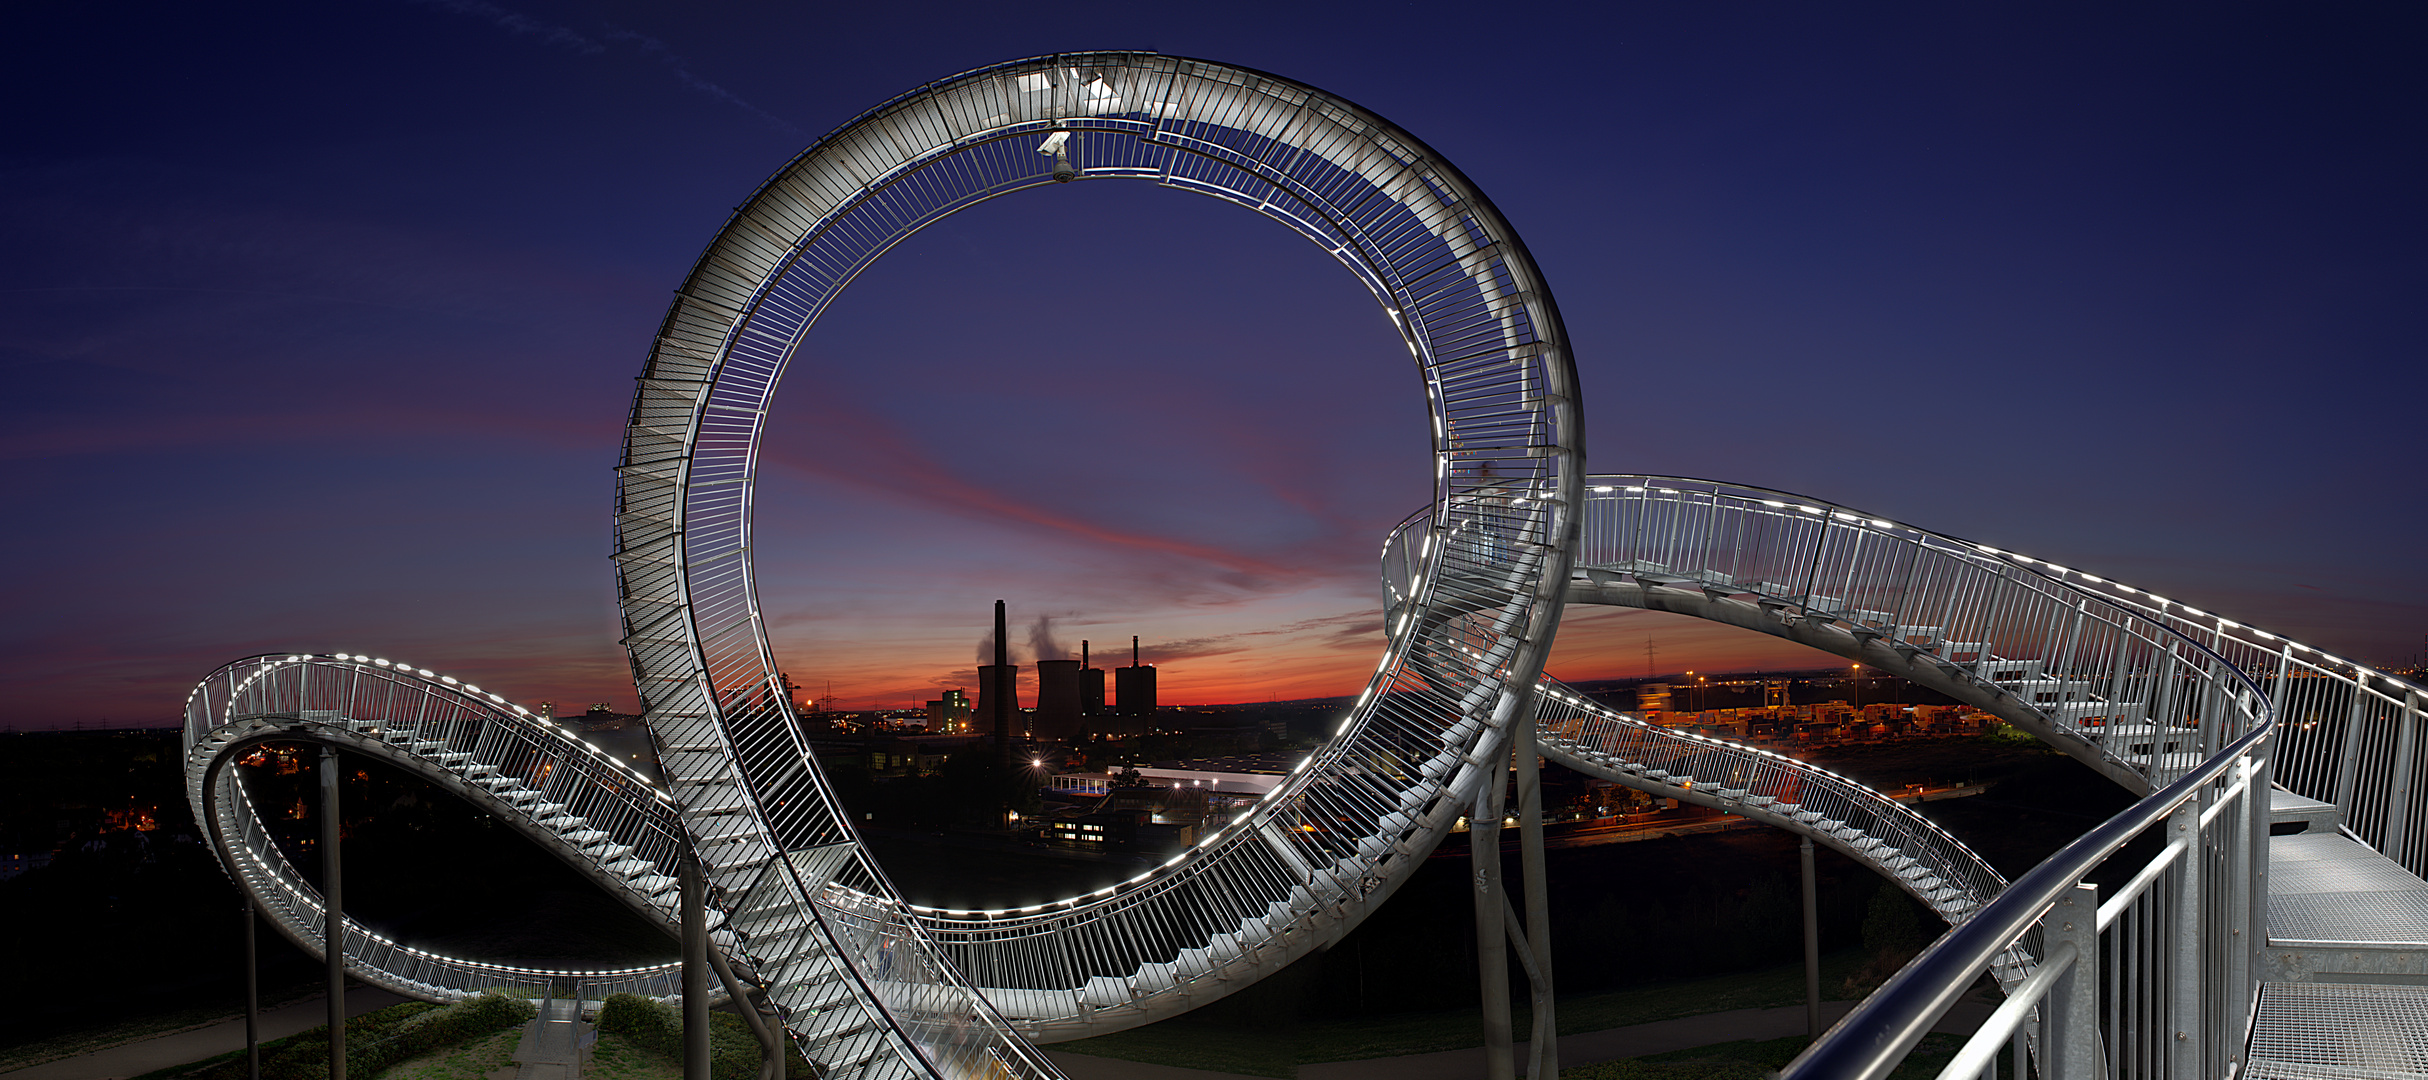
1042, 644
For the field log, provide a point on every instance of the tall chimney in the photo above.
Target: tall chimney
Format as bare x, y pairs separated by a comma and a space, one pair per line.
1091, 684
1002, 696
1133, 650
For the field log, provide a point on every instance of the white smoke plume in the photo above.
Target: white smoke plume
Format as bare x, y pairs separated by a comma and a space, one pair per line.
1042, 643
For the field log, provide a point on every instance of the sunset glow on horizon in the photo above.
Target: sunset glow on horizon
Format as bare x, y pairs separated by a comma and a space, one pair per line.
324, 323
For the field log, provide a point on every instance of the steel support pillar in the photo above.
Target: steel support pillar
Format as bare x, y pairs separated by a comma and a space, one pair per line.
1544, 1056
2070, 1013
1491, 924
750, 1001
333, 913
1812, 942
695, 968
252, 995
2247, 906
2254, 901
2188, 980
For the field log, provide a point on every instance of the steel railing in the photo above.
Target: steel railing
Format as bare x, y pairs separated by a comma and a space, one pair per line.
556, 788
2179, 703
2157, 981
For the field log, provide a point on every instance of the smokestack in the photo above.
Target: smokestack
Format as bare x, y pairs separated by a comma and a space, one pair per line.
1133, 650
1002, 696
1091, 684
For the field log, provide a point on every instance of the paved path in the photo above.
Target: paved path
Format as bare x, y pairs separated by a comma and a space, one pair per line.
179, 1047
1582, 1049
552, 1043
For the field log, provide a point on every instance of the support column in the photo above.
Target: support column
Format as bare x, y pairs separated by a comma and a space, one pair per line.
751, 1002
1812, 942
2254, 883
252, 994
695, 968
1546, 1053
2070, 1012
333, 915
1491, 952
2188, 978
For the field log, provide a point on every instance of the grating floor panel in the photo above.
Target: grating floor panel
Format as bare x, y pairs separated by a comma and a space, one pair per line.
2322, 875
2332, 1031
2327, 889
2376, 918
2312, 847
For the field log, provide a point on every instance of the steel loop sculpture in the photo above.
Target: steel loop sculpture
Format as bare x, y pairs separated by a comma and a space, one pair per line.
2159, 697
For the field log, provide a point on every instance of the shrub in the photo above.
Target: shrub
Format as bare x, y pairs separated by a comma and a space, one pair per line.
733, 1051
305, 1055
1892, 934
454, 1025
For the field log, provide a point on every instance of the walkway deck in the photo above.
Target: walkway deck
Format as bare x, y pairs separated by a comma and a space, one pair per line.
2347, 959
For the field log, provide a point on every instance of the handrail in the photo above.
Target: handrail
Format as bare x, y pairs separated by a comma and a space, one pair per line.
1869, 1041
420, 719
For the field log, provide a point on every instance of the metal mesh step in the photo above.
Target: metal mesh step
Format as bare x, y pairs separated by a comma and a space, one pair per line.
2331, 1031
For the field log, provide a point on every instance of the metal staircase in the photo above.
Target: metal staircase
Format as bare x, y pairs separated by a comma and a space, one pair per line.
2219, 725
1873, 829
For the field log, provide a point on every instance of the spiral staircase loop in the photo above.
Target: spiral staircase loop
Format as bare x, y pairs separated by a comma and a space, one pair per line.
2166, 700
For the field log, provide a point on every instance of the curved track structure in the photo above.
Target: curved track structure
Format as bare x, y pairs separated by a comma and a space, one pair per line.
2164, 699
1859, 822
584, 806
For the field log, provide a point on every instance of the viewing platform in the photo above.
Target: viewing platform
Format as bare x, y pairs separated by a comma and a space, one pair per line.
2346, 984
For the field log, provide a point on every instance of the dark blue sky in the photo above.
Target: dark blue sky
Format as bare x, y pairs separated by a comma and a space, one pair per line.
319, 324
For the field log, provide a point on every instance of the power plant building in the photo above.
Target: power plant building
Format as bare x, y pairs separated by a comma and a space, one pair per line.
1134, 686
998, 681
1059, 698
949, 714
1091, 685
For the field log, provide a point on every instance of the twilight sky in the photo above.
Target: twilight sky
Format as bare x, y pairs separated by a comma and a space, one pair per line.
319, 323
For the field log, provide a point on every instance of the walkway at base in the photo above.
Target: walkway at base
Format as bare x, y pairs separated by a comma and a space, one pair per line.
194, 1044
1580, 1049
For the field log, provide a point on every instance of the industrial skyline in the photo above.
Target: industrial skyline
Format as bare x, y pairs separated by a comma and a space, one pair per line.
323, 323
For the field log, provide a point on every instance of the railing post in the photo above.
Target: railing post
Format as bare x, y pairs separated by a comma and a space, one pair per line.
2071, 1049
2398, 801
2249, 906
2348, 761
2190, 1041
